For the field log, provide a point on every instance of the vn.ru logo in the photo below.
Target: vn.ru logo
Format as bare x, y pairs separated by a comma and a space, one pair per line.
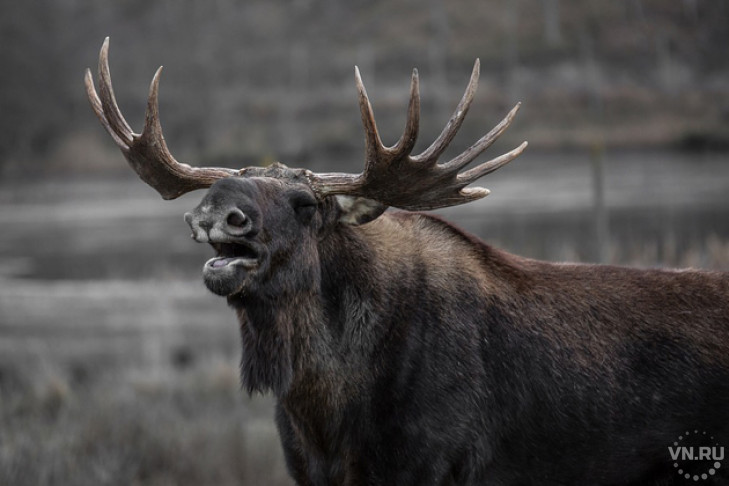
696, 455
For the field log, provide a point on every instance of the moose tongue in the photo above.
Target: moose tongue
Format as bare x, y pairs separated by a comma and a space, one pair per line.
221, 263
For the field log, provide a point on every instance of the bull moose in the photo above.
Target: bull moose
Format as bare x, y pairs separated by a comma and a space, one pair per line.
404, 351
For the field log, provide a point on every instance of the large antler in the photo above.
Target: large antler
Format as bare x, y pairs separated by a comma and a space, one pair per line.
392, 176
418, 182
147, 152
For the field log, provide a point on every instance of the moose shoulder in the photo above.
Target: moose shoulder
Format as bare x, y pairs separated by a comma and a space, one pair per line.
403, 350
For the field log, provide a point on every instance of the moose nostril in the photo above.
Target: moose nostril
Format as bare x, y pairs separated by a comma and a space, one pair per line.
237, 218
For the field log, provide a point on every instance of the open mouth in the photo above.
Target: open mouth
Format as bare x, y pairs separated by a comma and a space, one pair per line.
233, 267
233, 255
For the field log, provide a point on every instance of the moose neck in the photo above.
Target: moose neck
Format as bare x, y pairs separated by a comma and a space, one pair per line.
321, 333
301, 337
267, 334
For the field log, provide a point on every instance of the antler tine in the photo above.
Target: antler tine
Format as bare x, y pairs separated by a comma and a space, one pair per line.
152, 125
374, 145
449, 131
481, 170
108, 100
99, 110
147, 153
462, 160
407, 141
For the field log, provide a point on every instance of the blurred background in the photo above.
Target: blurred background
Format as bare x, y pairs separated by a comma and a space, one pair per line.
118, 367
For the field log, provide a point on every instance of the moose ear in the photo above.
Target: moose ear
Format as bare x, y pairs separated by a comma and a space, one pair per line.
358, 210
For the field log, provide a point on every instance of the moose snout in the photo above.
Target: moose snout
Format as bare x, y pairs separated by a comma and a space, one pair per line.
219, 225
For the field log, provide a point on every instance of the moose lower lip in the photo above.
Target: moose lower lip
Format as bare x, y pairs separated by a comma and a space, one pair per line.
223, 262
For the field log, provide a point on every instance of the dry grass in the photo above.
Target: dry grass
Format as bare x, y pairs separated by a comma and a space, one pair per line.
190, 427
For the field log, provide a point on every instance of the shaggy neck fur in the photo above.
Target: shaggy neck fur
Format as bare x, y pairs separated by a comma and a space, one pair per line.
292, 336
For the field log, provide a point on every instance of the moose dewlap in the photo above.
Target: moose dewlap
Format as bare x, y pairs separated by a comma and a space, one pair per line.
403, 350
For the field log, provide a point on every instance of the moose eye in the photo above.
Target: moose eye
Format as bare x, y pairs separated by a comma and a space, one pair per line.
304, 205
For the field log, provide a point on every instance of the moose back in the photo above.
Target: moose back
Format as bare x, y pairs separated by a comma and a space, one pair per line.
403, 350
